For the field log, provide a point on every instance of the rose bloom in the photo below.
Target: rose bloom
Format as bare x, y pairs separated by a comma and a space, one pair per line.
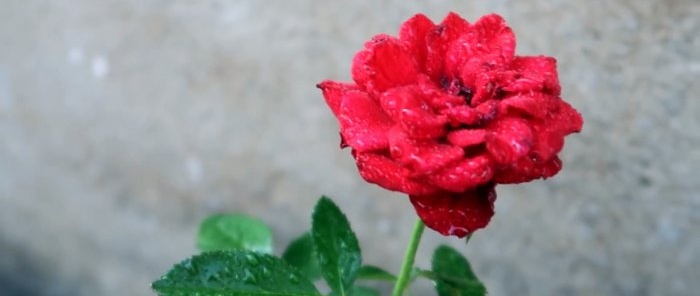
445, 112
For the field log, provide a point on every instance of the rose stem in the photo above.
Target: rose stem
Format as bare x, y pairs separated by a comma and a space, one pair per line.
409, 258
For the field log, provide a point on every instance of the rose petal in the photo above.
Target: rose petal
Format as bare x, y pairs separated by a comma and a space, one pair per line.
566, 118
440, 39
467, 115
395, 100
489, 43
385, 62
463, 175
333, 92
508, 140
414, 32
482, 74
527, 169
436, 96
422, 124
456, 214
362, 123
533, 104
463, 115
494, 35
421, 157
466, 137
534, 73
383, 171
548, 141
406, 106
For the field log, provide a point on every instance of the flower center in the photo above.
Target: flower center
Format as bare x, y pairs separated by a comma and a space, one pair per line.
456, 87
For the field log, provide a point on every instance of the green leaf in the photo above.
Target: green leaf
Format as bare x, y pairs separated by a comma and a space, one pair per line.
370, 272
453, 275
233, 273
234, 231
335, 245
300, 254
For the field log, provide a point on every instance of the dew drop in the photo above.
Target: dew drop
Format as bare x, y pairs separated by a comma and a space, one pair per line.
249, 278
293, 278
252, 260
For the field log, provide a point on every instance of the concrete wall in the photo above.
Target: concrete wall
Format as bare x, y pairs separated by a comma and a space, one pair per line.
123, 123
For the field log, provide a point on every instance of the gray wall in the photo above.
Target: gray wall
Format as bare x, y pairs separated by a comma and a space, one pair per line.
123, 123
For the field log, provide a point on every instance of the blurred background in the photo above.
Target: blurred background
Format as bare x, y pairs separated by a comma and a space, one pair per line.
124, 123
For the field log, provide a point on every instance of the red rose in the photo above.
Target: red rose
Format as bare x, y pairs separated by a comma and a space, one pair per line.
445, 112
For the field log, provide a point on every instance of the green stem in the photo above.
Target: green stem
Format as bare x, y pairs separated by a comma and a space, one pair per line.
408, 259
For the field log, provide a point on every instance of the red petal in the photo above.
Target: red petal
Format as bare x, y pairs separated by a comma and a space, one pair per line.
494, 35
534, 73
362, 123
395, 100
436, 96
456, 214
383, 171
464, 115
482, 74
421, 157
422, 124
508, 140
406, 106
414, 32
440, 39
385, 62
463, 175
333, 92
566, 118
533, 104
489, 41
548, 142
466, 137
473, 116
527, 169
549, 133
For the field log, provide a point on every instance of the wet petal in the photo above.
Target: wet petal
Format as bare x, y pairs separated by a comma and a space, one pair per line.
466, 137
527, 169
415, 32
463, 175
472, 116
385, 62
463, 115
456, 214
508, 140
566, 118
333, 92
533, 104
547, 141
482, 75
440, 39
395, 100
494, 35
363, 124
421, 157
534, 73
383, 171
423, 124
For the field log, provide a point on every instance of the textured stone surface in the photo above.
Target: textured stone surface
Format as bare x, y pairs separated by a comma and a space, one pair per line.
123, 123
